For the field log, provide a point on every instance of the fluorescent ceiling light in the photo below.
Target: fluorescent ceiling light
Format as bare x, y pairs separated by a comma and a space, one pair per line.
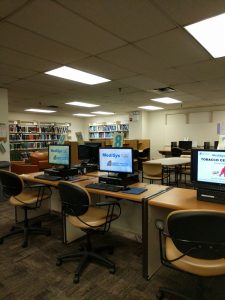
83, 104
102, 113
210, 34
40, 110
166, 100
76, 75
84, 115
150, 107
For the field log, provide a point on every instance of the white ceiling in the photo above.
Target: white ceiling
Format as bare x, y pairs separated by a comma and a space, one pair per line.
140, 45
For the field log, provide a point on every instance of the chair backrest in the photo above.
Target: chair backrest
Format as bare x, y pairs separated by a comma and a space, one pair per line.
206, 145
11, 183
199, 233
145, 153
176, 151
152, 169
75, 199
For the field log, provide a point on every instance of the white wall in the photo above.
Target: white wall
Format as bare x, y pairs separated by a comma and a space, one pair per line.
4, 120
199, 126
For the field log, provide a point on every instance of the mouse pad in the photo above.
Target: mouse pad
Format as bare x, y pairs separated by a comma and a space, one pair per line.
135, 191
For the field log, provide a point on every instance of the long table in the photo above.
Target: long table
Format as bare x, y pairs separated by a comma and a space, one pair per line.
156, 203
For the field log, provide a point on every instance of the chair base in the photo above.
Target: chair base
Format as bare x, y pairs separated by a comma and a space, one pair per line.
86, 257
26, 231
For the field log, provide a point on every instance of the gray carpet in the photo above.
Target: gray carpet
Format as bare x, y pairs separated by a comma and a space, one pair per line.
31, 273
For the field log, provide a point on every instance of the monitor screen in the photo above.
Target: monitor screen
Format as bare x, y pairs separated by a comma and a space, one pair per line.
117, 160
186, 145
208, 168
59, 155
84, 153
94, 150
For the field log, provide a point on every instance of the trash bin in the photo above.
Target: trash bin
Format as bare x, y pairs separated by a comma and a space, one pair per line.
4, 165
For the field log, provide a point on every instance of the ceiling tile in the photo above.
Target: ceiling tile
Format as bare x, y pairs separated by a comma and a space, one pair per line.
191, 11
175, 47
66, 27
130, 20
27, 42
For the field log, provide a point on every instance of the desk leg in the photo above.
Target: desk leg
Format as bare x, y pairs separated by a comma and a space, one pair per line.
151, 250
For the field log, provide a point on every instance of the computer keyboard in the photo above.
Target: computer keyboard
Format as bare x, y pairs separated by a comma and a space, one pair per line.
48, 177
105, 186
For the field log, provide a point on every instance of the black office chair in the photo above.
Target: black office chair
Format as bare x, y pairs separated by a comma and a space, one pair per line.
76, 206
194, 243
27, 198
176, 151
206, 145
143, 156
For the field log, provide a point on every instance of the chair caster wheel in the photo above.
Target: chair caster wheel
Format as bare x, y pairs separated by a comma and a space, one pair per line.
112, 270
59, 262
76, 278
160, 295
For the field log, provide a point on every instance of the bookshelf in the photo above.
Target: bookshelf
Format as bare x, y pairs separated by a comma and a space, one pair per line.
106, 130
31, 136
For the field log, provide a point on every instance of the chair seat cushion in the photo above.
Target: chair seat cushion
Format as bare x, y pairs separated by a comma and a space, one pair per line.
94, 217
201, 267
28, 196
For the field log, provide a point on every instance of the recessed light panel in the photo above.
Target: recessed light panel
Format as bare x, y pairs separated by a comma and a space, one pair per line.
83, 104
84, 115
166, 100
40, 110
150, 107
76, 75
210, 34
102, 113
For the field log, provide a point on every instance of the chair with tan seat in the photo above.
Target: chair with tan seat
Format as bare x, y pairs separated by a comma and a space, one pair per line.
27, 198
194, 242
77, 208
154, 171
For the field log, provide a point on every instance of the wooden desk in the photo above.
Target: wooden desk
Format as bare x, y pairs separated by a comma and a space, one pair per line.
158, 208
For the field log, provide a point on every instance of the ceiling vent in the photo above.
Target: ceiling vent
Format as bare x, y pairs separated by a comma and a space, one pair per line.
52, 106
163, 90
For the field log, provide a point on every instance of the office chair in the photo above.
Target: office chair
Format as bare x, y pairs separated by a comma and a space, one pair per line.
176, 151
193, 243
206, 145
76, 206
27, 198
154, 172
143, 156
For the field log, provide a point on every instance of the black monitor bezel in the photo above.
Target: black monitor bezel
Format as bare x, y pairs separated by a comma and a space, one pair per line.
194, 170
58, 145
119, 148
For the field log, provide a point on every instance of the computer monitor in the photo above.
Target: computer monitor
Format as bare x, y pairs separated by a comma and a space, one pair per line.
185, 145
59, 155
94, 151
208, 168
84, 153
116, 160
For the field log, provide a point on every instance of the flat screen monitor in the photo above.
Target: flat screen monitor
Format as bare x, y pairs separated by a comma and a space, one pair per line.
208, 168
185, 145
59, 155
84, 153
116, 160
94, 151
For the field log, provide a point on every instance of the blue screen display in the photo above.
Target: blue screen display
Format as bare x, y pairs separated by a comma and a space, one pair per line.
119, 160
59, 155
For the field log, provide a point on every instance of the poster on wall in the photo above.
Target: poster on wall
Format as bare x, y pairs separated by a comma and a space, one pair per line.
221, 144
117, 139
79, 137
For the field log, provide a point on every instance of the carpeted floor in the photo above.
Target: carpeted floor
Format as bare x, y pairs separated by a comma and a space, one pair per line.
31, 273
